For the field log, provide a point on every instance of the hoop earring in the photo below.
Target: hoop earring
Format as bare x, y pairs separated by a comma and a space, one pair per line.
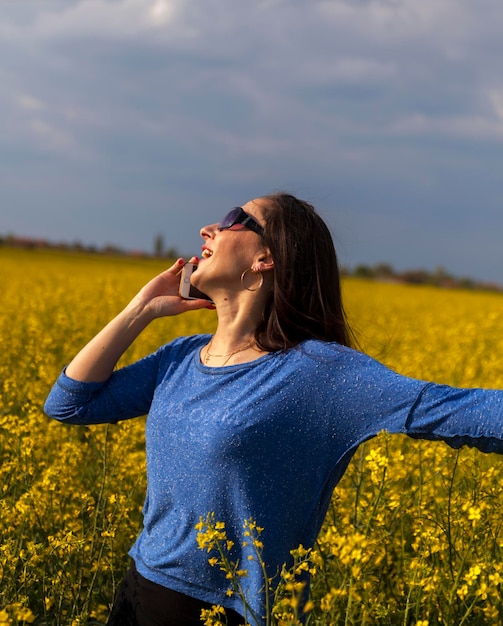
261, 281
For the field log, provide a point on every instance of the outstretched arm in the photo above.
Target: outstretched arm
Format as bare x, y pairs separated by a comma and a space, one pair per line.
158, 298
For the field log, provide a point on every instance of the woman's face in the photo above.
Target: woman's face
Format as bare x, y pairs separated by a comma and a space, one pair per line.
227, 253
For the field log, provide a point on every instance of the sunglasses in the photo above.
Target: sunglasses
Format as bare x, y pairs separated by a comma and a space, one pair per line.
238, 216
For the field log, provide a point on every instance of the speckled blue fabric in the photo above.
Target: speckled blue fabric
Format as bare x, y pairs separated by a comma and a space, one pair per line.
267, 440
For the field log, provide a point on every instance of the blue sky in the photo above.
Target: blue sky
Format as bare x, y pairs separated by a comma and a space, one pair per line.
124, 119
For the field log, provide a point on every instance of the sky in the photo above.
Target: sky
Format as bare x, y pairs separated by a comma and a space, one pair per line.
123, 120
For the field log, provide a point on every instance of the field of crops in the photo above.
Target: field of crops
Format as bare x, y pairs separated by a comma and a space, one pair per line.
415, 531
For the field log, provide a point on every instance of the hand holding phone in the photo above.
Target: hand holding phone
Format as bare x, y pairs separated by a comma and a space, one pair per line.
187, 289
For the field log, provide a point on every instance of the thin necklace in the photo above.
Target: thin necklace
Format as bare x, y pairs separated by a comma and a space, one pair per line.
227, 356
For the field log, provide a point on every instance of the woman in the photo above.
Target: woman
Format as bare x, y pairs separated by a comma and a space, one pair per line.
258, 421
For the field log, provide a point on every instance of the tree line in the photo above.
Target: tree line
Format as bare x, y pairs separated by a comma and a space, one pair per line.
379, 272
439, 277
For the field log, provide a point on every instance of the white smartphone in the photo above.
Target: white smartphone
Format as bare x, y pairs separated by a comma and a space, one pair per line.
187, 289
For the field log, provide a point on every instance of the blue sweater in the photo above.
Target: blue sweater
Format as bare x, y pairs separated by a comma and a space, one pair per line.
267, 440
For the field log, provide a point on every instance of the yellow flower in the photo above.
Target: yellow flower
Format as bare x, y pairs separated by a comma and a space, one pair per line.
4, 618
473, 573
241, 573
25, 615
482, 591
474, 514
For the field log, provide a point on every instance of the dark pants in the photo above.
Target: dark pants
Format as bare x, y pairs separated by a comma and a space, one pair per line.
140, 602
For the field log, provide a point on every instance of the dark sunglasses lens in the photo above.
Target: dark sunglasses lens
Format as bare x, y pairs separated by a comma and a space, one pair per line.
231, 218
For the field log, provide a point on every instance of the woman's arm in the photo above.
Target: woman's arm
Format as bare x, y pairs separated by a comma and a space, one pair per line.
158, 298
376, 398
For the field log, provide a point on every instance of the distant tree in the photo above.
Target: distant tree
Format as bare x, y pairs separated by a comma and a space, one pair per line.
467, 283
442, 277
158, 245
363, 271
417, 277
383, 270
110, 248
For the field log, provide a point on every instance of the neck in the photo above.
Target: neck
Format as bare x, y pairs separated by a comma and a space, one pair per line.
236, 324
239, 312
238, 318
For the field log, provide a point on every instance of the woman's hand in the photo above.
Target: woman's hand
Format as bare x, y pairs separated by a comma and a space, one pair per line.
96, 361
160, 297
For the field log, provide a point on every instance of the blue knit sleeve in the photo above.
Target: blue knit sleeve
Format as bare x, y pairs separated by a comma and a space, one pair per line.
472, 417
381, 399
127, 393
356, 397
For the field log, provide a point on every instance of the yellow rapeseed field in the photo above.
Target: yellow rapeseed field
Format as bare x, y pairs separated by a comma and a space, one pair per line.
415, 531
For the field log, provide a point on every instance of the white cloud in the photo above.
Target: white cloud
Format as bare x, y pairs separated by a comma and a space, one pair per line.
343, 70
472, 127
161, 12
399, 18
52, 138
117, 20
29, 103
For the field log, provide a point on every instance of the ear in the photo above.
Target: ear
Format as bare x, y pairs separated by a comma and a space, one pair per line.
263, 261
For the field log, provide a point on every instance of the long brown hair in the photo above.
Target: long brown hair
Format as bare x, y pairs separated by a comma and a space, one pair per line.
306, 300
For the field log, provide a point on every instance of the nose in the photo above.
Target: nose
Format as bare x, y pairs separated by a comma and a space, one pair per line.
208, 232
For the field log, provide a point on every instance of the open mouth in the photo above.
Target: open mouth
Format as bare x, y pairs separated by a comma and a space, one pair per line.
207, 253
